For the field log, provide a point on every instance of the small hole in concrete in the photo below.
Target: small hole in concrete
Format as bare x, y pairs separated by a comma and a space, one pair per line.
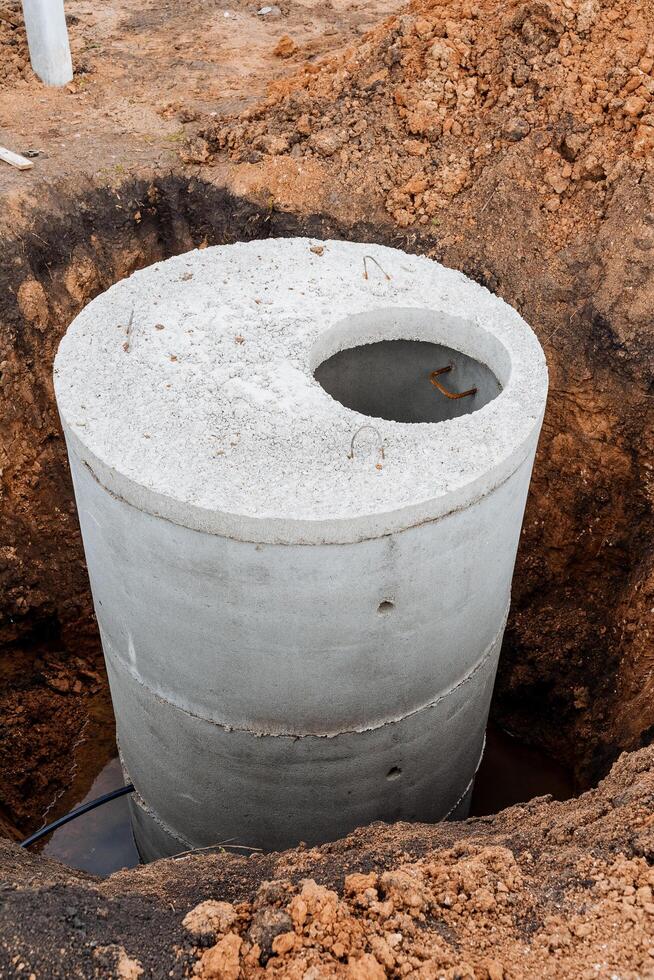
391, 379
385, 606
394, 773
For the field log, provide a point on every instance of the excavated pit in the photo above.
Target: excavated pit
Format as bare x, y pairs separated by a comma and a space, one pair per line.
567, 673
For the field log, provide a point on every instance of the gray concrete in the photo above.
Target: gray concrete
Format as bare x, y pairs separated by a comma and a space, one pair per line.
271, 791
298, 642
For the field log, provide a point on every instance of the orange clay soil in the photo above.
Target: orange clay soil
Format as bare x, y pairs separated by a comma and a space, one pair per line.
434, 100
556, 890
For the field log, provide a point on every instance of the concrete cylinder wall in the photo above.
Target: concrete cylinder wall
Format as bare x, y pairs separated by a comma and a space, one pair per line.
283, 677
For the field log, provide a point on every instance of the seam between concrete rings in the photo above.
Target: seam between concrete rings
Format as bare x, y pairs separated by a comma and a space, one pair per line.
294, 736
138, 801
154, 816
469, 786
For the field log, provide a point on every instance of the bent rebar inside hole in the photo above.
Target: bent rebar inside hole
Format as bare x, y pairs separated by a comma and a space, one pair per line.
393, 380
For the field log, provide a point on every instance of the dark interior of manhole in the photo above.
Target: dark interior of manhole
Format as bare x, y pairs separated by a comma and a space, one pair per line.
57, 746
407, 381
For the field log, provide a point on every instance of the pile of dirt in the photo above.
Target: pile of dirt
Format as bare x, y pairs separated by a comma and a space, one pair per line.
433, 98
404, 922
14, 57
545, 889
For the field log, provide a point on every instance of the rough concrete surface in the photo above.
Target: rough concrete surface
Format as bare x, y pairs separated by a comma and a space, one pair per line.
188, 389
273, 693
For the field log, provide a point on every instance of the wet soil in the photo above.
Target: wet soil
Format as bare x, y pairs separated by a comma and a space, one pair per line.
512, 772
57, 728
101, 841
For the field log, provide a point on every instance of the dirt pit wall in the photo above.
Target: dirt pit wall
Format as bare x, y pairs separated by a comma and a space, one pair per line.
575, 673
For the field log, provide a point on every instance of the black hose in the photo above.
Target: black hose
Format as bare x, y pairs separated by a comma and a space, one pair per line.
84, 808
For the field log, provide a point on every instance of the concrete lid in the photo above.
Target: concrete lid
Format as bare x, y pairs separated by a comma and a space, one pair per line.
205, 410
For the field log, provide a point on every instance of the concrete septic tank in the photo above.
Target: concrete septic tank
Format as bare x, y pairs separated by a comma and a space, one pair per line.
300, 546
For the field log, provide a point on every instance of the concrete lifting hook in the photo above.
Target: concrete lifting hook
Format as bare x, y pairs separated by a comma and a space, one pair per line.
360, 429
449, 394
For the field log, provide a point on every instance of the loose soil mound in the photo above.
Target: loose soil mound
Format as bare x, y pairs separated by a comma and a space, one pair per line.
14, 57
430, 100
556, 890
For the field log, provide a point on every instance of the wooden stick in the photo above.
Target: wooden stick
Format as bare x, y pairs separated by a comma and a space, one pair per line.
15, 159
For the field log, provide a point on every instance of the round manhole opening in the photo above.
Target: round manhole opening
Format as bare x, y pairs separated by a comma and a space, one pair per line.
407, 381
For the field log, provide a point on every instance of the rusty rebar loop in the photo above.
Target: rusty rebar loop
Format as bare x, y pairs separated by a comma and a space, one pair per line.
360, 429
128, 333
449, 394
373, 259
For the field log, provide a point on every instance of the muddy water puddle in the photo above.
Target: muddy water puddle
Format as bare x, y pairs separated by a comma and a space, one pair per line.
101, 841
512, 772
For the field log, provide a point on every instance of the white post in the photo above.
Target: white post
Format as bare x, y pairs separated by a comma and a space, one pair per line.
47, 37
